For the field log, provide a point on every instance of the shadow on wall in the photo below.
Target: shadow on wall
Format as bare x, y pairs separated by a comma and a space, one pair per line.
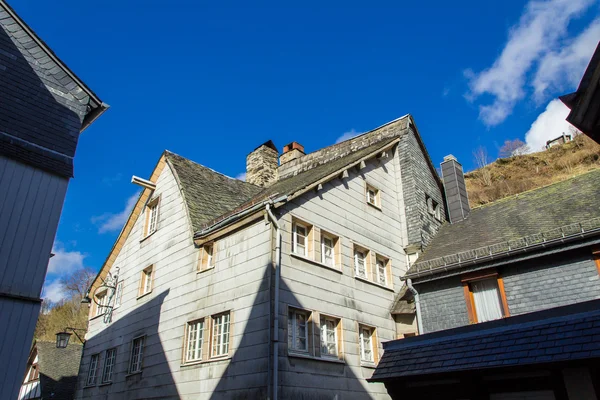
155, 381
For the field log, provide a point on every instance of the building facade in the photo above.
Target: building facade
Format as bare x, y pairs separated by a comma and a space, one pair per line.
43, 109
280, 288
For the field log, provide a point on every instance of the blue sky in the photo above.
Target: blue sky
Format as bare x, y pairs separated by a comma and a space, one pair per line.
211, 81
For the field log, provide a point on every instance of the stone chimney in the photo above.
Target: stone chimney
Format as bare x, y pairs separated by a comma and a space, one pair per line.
261, 165
457, 200
291, 152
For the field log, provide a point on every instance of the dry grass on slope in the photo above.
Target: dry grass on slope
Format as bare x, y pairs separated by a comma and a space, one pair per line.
509, 176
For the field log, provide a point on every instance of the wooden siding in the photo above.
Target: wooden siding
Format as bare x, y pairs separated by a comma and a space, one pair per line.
340, 208
239, 282
30, 208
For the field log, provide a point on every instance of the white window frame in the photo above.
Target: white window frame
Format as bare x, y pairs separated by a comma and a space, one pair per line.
381, 260
210, 252
136, 358
221, 329
324, 336
93, 370
110, 358
118, 294
152, 218
292, 330
295, 226
147, 277
194, 340
365, 254
363, 352
375, 199
325, 237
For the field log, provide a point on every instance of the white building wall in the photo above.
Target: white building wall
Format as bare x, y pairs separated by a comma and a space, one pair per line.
31, 201
239, 282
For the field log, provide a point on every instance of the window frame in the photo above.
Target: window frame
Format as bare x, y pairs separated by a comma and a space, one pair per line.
206, 259
113, 351
213, 336
201, 344
140, 356
294, 321
306, 227
152, 212
489, 274
144, 279
376, 196
366, 261
334, 249
373, 344
387, 270
337, 329
94, 377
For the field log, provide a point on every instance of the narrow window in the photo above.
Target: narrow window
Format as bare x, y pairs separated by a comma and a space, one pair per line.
195, 336
366, 344
118, 294
146, 281
93, 370
381, 271
297, 331
137, 352
300, 233
220, 342
360, 263
329, 339
151, 217
328, 250
209, 255
109, 363
373, 196
486, 299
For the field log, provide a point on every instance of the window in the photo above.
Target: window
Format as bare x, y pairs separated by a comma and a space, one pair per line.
360, 262
118, 294
300, 239
151, 217
329, 249
93, 370
137, 352
146, 281
485, 297
220, 339
109, 363
298, 330
382, 270
373, 196
207, 259
101, 303
433, 208
329, 336
368, 344
194, 340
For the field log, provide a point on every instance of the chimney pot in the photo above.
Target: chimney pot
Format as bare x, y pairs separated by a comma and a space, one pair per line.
291, 151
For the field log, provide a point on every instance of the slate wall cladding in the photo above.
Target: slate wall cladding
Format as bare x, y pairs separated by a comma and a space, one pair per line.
551, 281
418, 181
442, 304
40, 103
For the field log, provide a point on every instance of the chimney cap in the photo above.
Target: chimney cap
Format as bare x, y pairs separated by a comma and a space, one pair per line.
291, 146
450, 157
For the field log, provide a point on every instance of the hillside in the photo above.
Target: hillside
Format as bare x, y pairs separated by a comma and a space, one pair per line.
508, 176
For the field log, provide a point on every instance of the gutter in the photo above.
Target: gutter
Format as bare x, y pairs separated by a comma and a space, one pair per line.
417, 305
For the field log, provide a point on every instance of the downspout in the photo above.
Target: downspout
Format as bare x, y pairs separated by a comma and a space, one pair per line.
417, 305
276, 300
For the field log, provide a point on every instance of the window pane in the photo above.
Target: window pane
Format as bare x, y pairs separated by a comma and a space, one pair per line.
359, 262
93, 370
327, 251
221, 335
328, 337
299, 239
487, 300
366, 345
381, 272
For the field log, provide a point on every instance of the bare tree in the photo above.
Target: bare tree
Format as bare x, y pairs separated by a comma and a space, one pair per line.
483, 173
512, 148
77, 284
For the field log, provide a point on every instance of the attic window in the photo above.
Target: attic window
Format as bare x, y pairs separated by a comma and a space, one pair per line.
152, 209
373, 196
433, 208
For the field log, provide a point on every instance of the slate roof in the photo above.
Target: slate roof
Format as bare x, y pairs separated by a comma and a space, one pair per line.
208, 194
509, 221
58, 369
560, 334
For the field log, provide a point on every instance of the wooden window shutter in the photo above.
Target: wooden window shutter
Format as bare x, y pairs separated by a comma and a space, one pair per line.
206, 338
388, 273
375, 345
310, 238
338, 253
371, 263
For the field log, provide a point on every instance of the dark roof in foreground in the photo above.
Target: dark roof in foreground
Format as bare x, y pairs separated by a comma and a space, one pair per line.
559, 334
516, 222
58, 369
207, 193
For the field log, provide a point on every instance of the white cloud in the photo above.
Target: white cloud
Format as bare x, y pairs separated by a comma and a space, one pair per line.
110, 222
54, 292
241, 177
564, 68
548, 125
348, 135
64, 262
538, 32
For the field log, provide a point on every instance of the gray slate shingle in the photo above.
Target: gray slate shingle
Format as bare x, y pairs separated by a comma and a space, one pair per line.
58, 369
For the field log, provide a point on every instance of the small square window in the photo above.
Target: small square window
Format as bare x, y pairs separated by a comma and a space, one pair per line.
298, 330
220, 335
433, 208
93, 370
152, 210
373, 196
109, 364
207, 257
137, 353
146, 281
194, 340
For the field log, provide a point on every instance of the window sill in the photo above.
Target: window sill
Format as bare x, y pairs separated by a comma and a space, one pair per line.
143, 295
320, 264
105, 384
147, 236
89, 386
205, 269
368, 364
133, 374
201, 362
374, 206
360, 278
309, 357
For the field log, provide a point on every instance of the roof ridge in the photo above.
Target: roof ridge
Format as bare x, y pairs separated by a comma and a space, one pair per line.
516, 195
